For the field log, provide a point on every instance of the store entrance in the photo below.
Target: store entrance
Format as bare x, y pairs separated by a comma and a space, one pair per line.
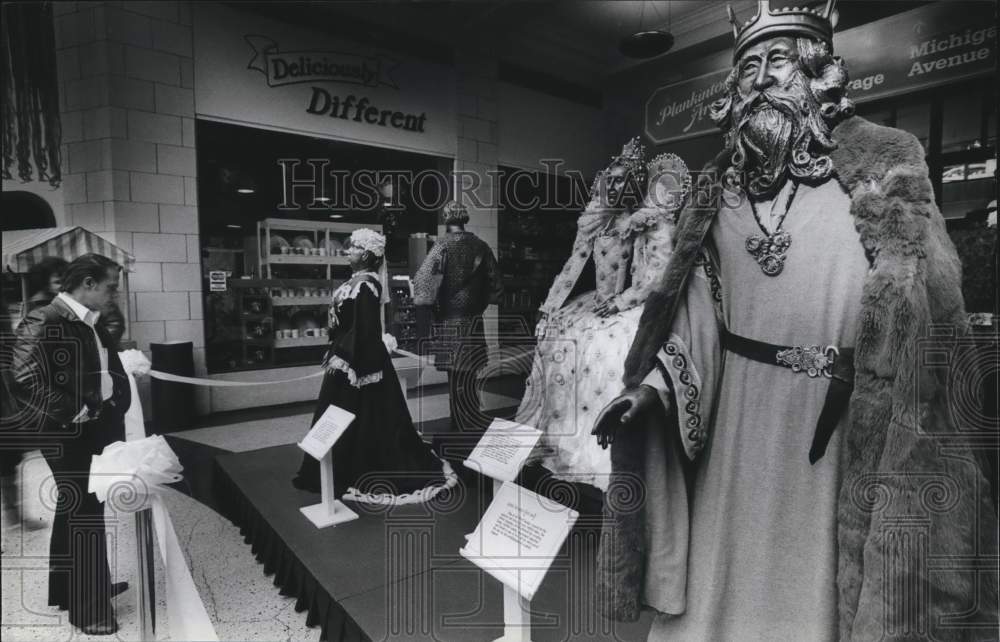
275, 213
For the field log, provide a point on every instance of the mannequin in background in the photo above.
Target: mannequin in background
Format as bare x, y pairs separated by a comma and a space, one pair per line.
454, 285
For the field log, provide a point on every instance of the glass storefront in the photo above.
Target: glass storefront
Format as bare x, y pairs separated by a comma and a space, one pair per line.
957, 126
273, 234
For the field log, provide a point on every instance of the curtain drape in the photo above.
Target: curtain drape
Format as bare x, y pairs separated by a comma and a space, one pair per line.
32, 133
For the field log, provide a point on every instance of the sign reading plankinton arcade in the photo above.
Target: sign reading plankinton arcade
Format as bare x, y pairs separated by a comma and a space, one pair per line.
362, 110
925, 47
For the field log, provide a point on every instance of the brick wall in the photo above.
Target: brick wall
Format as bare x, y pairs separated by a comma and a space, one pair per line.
127, 91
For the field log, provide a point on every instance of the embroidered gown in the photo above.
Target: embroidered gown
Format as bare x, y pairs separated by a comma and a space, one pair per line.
381, 450
580, 356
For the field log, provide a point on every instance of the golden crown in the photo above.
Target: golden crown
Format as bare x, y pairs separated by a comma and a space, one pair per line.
811, 23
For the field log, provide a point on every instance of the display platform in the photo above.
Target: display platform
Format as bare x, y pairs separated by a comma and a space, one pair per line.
396, 573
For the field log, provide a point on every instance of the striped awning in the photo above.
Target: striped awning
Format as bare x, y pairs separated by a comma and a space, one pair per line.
24, 248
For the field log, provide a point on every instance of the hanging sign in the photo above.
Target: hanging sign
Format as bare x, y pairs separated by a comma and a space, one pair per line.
308, 66
257, 71
926, 47
680, 110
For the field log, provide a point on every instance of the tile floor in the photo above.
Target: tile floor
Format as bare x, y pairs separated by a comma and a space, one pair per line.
242, 603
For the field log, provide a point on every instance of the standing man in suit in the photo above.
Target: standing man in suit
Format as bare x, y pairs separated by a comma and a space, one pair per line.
66, 370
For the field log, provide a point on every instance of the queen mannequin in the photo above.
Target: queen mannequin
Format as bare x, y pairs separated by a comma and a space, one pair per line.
381, 458
582, 338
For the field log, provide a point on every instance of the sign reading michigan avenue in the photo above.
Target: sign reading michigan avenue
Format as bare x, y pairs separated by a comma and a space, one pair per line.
925, 47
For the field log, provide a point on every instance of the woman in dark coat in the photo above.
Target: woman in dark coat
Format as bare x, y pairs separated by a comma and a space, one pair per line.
381, 457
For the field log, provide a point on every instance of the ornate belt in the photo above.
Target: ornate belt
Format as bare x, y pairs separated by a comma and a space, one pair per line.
831, 362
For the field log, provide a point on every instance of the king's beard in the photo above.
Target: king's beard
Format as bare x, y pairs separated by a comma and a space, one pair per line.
777, 133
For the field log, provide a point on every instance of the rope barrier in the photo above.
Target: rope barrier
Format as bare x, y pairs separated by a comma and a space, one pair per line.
221, 383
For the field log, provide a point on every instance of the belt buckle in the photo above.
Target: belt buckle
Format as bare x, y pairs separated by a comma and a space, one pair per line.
813, 360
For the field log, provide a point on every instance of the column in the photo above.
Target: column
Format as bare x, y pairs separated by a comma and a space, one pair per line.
126, 72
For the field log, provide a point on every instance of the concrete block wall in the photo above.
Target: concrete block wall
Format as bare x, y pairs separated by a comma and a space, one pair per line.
127, 90
476, 150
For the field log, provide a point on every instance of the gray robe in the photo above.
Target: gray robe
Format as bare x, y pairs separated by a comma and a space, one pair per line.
912, 501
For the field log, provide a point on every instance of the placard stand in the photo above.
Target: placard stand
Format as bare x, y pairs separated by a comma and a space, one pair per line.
516, 610
329, 511
500, 454
319, 444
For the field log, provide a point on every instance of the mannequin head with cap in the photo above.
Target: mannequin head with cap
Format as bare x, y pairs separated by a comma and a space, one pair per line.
366, 250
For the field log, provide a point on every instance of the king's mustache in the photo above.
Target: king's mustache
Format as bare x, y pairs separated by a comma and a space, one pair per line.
784, 100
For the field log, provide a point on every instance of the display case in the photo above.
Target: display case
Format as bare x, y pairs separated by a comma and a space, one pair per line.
533, 250
402, 317
291, 242
276, 313
534, 242
290, 248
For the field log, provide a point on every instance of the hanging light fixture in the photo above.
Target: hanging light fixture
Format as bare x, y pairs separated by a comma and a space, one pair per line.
647, 43
245, 184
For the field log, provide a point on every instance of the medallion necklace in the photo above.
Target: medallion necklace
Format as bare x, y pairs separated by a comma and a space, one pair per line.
770, 249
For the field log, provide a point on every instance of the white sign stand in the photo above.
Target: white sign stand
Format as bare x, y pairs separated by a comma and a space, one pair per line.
319, 443
516, 611
500, 454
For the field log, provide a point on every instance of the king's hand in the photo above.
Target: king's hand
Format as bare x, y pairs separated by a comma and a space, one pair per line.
622, 412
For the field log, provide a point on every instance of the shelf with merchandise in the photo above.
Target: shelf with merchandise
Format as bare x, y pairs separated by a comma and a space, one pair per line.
316, 243
287, 301
299, 342
292, 259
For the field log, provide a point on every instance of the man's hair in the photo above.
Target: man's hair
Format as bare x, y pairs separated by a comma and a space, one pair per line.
41, 273
92, 265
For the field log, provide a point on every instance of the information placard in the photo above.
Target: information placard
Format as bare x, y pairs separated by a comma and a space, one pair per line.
217, 281
325, 433
501, 451
518, 537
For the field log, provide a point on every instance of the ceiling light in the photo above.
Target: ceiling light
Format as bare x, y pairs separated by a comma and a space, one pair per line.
235, 227
646, 44
323, 199
336, 216
245, 184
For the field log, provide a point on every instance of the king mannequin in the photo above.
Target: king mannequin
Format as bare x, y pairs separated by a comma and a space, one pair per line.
786, 465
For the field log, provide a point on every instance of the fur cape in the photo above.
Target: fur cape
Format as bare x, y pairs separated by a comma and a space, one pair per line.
915, 517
